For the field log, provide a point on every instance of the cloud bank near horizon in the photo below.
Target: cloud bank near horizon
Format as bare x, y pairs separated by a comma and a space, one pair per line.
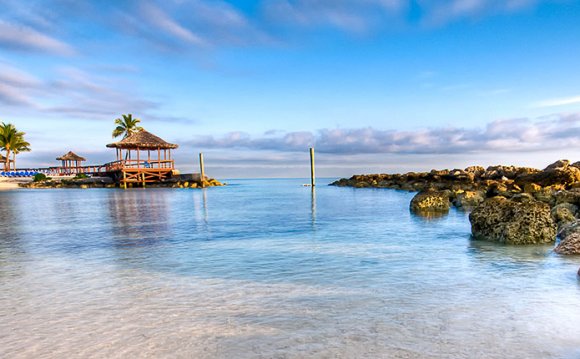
507, 135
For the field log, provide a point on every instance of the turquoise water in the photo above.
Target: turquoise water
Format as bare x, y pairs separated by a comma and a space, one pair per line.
267, 269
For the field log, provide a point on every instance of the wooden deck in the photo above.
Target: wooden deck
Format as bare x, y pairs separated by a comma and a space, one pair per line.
123, 171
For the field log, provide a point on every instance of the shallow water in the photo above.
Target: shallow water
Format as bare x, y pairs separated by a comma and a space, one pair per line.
265, 269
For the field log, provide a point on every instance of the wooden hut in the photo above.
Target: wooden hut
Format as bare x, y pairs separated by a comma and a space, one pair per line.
71, 163
143, 158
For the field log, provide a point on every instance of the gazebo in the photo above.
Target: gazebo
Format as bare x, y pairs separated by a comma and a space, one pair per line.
142, 157
68, 160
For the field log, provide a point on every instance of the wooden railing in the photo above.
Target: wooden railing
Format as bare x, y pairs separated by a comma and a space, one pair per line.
102, 170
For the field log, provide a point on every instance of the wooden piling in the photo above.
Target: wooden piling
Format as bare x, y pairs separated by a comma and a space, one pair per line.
201, 169
124, 180
312, 173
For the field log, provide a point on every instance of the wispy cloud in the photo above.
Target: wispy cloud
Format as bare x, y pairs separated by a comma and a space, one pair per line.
73, 92
558, 102
21, 37
501, 135
42, 25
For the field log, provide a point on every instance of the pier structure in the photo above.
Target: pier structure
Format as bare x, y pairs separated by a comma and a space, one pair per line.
142, 158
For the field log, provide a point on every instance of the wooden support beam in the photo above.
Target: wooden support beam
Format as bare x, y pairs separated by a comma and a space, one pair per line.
312, 172
201, 169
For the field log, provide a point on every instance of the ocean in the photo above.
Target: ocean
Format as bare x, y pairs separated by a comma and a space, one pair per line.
270, 269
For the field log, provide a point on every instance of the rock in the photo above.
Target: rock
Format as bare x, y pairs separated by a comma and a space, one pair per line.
507, 221
468, 199
569, 239
477, 171
571, 196
569, 245
569, 229
563, 164
552, 175
430, 201
532, 188
545, 195
523, 198
564, 214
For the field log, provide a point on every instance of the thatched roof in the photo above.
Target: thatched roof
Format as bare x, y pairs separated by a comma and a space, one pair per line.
71, 156
143, 140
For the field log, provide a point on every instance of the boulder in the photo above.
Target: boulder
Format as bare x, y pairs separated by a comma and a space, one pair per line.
430, 201
564, 214
477, 171
558, 173
532, 188
468, 199
546, 195
569, 239
563, 164
571, 196
512, 222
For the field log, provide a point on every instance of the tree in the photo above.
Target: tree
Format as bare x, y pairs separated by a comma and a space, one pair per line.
12, 141
126, 126
19, 145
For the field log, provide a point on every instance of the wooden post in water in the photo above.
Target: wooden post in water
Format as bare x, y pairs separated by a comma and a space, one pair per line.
312, 173
201, 169
124, 179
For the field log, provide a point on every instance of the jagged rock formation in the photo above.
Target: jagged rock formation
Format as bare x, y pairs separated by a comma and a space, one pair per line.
516, 205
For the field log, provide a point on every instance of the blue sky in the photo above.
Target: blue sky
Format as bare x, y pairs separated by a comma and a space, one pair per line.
373, 85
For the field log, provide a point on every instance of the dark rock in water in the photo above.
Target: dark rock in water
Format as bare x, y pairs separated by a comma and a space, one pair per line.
569, 245
569, 239
569, 229
511, 222
430, 201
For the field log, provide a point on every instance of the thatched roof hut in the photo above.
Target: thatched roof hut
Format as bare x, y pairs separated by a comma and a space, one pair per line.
143, 140
71, 156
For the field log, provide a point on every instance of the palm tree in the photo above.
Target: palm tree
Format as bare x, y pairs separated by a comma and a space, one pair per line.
12, 141
19, 145
126, 126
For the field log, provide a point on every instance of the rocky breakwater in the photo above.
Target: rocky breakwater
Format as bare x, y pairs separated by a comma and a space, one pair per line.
93, 182
509, 204
106, 182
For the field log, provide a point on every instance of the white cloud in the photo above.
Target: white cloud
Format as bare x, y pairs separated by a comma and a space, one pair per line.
498, 136
21, 37
165, 23
558, 102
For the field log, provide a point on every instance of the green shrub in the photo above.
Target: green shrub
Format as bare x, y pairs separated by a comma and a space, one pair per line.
81, 176
39, 177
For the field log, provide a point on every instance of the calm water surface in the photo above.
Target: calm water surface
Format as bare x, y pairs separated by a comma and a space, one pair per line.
266, 269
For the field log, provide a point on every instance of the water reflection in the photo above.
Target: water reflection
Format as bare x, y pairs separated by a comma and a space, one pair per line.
429, 216
313, 207
12, 250
139, 217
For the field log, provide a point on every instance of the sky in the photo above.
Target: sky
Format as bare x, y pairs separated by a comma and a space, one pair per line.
373, 85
